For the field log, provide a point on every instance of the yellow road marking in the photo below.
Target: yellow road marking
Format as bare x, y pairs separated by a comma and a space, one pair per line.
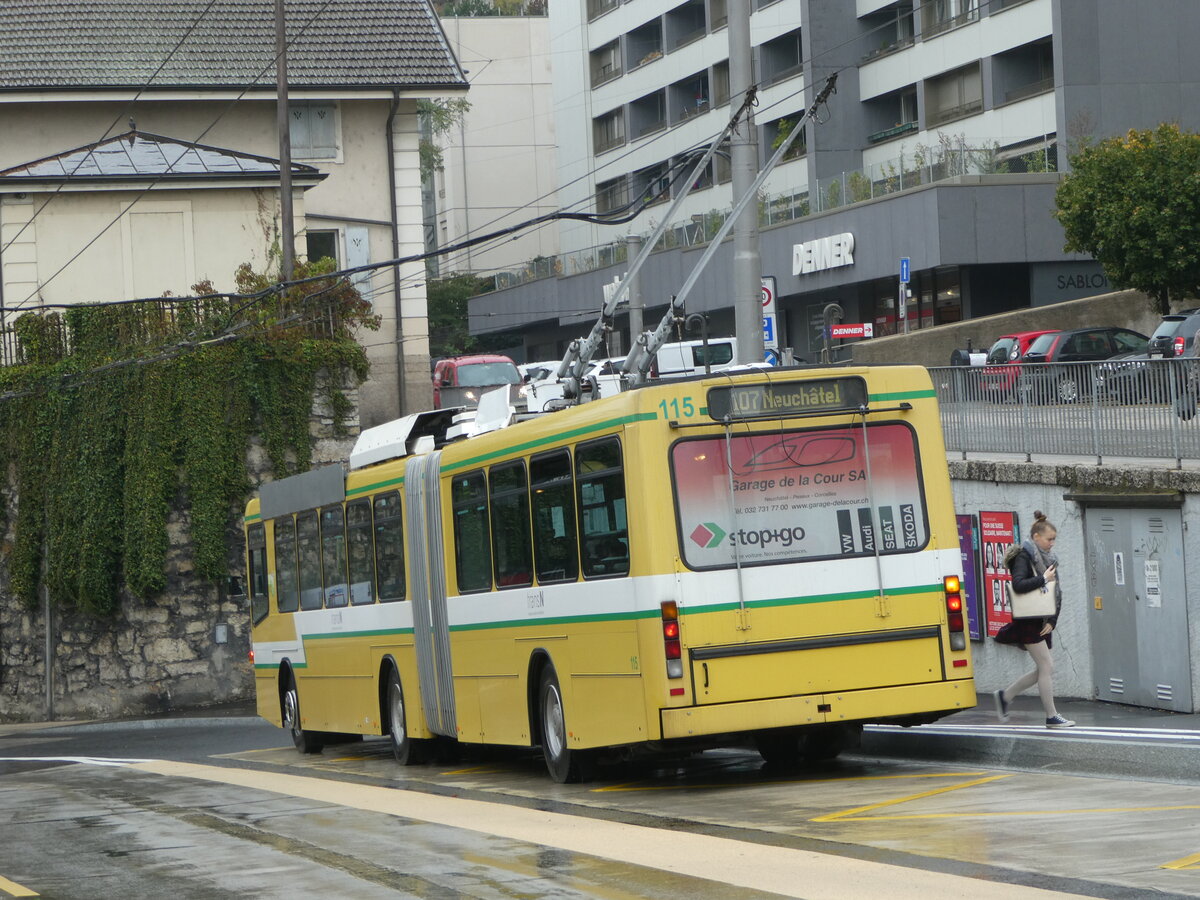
642, 786
849, 814
241, 753
15, 890
474, 770
1188, 862
762, 867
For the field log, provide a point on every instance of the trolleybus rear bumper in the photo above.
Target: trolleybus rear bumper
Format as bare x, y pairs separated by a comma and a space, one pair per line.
873, 705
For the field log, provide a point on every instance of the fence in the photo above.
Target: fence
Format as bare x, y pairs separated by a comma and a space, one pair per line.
1134, 408
947, 159
45, 335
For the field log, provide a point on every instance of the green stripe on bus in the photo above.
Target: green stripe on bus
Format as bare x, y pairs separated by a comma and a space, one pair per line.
254, 518
817, 598
905, 395
293, 664
378, 632
378, 485
561, 620
626, 616
555, 438
686, 611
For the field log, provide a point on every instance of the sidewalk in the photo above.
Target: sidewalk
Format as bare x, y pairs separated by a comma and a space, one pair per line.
1108, 739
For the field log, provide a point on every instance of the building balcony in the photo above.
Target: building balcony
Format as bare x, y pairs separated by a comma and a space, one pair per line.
894, 132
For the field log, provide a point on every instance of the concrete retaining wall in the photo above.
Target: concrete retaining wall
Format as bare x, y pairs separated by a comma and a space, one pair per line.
1024, 487
933, 346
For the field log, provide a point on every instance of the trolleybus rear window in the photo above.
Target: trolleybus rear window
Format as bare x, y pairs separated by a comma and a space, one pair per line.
783, 496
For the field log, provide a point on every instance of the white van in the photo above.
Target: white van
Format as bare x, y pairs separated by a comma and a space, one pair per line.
688, 357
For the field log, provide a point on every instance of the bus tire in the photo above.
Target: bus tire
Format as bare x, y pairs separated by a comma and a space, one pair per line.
566, 766
305, 741
407, 750
780, 748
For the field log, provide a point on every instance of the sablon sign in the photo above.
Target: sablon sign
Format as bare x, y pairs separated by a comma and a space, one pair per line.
823, 253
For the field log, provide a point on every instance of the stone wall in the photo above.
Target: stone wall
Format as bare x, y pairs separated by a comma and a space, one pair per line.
187, 647
933, 346
1023, 487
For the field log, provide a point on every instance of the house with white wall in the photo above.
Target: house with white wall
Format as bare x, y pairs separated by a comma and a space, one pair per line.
199, 75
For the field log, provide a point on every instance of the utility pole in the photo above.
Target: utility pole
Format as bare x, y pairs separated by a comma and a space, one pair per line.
287, 237
743, 146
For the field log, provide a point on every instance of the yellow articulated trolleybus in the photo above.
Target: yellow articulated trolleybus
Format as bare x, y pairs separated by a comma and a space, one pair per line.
769, 556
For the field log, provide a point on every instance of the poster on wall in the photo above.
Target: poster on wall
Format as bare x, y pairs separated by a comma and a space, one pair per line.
968, 545
997, 532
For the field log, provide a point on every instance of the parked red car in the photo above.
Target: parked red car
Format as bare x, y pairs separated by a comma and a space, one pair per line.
1000, 383
462, 380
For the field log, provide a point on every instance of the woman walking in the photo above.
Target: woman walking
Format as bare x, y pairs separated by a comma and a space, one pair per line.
1034, 565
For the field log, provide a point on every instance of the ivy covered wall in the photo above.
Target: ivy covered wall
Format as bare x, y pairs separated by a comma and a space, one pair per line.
130, 438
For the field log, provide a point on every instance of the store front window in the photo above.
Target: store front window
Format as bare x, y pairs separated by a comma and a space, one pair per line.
935, 298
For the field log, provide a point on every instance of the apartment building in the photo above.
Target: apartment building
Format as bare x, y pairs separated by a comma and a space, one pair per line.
943, 145
498, 161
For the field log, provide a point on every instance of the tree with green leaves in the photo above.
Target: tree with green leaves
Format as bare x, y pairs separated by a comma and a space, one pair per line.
449, 334
437, 118
1133, 202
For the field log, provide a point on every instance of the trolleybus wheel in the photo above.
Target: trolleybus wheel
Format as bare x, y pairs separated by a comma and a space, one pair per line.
566, 765
407, 750
305, 741
779, 748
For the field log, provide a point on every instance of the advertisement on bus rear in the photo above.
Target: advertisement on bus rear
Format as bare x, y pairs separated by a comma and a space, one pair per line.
765, 498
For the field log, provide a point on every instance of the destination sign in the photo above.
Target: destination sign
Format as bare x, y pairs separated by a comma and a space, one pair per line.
751, 401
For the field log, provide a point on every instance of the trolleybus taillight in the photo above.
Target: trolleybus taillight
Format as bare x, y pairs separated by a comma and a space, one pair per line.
672, 649
954, 612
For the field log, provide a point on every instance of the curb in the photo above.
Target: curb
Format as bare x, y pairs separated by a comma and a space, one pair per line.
1163, 759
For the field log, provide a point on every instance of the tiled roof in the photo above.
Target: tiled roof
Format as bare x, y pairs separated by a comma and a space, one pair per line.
92, 44
138, 156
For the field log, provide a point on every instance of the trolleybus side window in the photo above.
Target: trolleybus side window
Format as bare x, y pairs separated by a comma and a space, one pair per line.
389, 547
256, 544
285, 564
308, 551
604, 535
511, 542
555, 549
472, 547
360, 553
333, 556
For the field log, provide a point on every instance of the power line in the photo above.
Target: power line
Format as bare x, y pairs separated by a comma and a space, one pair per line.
171, 165
119, 116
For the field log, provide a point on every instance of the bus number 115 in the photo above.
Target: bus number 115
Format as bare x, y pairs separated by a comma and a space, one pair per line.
676, 408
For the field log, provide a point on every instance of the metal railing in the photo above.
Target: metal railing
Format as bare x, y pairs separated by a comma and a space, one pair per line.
1133, 408
49, 334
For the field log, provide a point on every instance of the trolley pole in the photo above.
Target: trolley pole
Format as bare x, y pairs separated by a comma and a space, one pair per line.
743, 146
637, 305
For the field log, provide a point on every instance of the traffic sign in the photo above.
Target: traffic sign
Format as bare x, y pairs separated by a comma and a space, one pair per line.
768, 293
904, 269
771, 357
770, 340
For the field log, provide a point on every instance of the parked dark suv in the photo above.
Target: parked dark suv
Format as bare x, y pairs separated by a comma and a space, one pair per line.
1175, 335
1064, 383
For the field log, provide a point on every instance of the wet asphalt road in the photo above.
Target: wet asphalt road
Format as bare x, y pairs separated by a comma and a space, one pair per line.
232, 809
